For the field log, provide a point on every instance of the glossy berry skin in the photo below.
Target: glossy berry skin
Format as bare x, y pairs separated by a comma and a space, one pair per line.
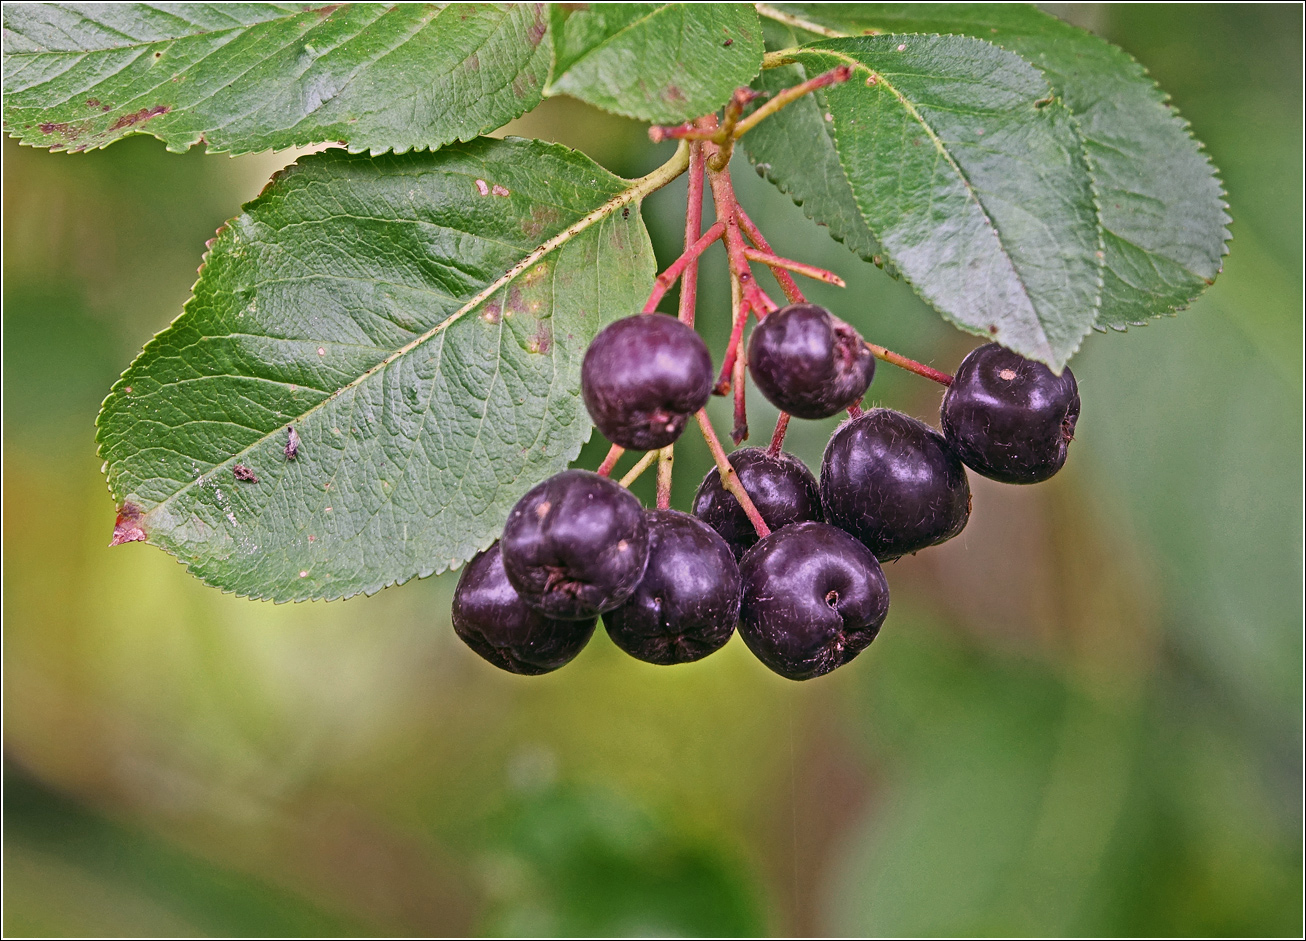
575, 545
814, 598
1010, 418
642, 377
492, 619
781, 487
894, 483
687, 604
808, 362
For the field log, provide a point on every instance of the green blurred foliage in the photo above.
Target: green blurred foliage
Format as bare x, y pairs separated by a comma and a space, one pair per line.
1082, 717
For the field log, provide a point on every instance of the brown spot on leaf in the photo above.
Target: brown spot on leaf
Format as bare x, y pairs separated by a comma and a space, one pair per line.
536, 33
498, 190
542, 218
492, 313
137, 117
68, 130
241, 472
127, 527
541, 340
673, 93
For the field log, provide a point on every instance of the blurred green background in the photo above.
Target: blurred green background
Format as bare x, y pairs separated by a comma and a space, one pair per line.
1083, 715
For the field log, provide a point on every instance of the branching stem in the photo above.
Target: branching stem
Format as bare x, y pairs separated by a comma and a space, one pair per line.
729, 479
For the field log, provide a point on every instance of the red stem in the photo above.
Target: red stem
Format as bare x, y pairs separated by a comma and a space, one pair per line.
693, 228
739, 434
732, 353
920, 369
667, 278
787, 284
778, 437
609, 462
729, 479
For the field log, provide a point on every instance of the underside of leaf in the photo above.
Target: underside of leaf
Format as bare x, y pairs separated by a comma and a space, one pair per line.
972, 178
1161, 207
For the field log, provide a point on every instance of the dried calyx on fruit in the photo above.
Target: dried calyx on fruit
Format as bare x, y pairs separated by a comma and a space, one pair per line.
491, 618
642, 377
687, 604
575, 545
814, 598
808, 362
1010, 418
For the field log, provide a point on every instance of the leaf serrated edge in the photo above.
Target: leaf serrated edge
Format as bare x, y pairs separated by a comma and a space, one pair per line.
550, 92
634, 193
1160, 98
934, 138
179, 147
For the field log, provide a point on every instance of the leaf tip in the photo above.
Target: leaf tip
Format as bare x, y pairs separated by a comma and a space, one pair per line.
127, 527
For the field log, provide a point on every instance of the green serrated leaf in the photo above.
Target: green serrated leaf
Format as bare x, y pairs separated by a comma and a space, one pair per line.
660, 62
419, 320
247, 77
1161, 207
972, 177
794, 151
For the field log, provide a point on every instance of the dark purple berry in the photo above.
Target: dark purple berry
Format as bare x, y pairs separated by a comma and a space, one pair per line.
1010, 418
894, 483
808, 362
781, 487
643, 377
492, 619
575, 545
814, 598
688, 602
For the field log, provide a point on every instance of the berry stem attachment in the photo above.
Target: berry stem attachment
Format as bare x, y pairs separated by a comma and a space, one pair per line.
693, 230
787, 284
797, 267
632, 475
920, 369
609, 462
738, 317
729, 479
668, 277
666, 458
778, 436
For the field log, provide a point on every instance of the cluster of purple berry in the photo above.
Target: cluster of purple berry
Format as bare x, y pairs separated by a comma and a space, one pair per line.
671, 587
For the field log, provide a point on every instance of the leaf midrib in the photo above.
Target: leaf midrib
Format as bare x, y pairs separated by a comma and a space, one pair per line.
966, 183
629, 26
632, 192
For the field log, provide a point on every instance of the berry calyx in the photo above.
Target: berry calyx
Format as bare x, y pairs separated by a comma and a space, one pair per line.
492, 619
781, 487
808, 362
894, 483
813, 599
687, 604
1010, 418
643, 377
575, 545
